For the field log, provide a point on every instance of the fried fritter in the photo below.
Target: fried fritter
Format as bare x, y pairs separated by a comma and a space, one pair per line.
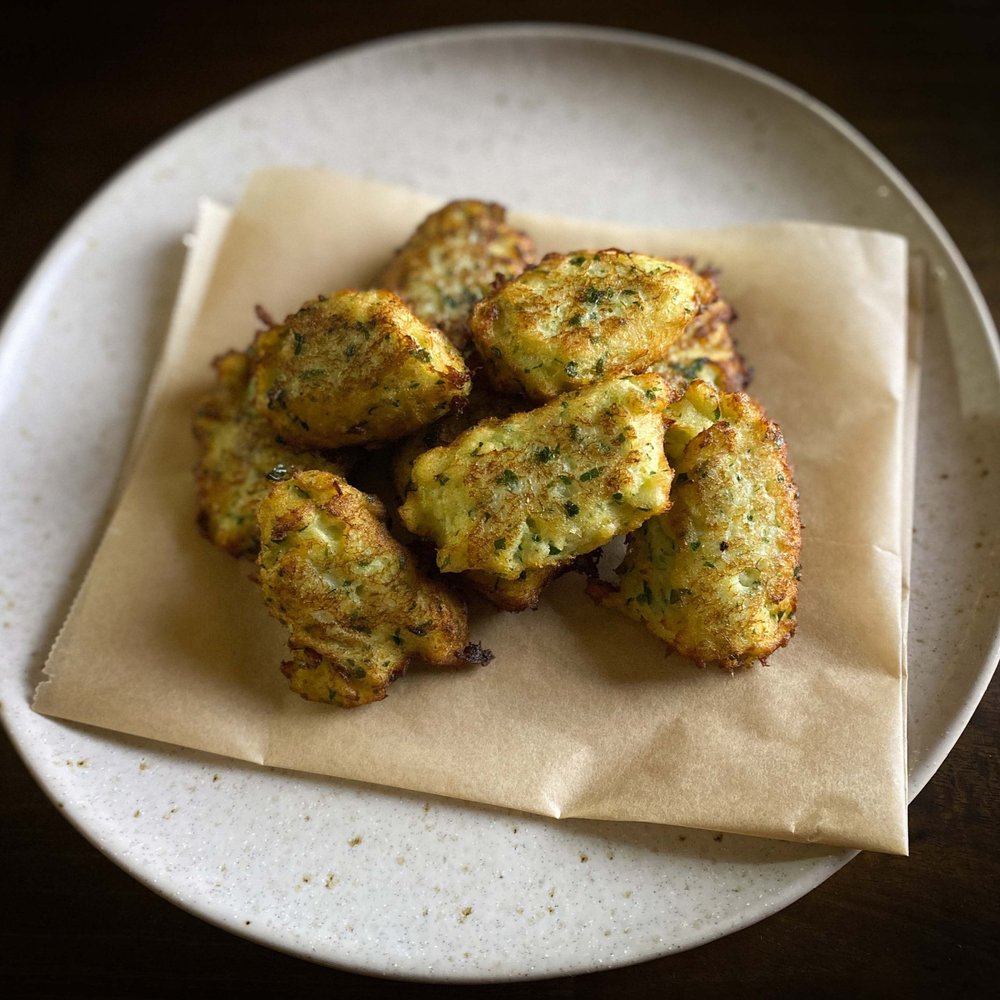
707, 350
356, 367
452, 260
357, 607
539, 488
716, 576
582, 317
238, 452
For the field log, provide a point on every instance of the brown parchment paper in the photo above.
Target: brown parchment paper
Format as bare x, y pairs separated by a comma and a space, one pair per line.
581, 713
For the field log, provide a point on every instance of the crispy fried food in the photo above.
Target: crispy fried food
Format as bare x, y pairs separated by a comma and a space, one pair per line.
238, 452
356, 367
716, 576
578, 318
453, 260
357, 607
706, 350
539, 488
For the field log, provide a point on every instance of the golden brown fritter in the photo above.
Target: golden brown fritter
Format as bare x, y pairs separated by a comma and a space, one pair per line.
356, 367
707, 350
238, 451
716, 576
539, 488
581, 317
453, 260
357, 607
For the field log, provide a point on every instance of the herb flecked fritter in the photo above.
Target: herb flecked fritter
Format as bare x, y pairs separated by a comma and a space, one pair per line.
583, 317
356, 367
716, 576
539, 488
356, 605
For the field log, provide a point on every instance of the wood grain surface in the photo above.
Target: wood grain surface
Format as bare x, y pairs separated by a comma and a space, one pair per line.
85, 89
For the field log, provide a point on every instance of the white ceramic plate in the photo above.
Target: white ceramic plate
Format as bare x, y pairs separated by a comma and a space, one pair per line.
555, 119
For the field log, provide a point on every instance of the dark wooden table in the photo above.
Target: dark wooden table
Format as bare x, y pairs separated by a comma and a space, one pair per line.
921, 83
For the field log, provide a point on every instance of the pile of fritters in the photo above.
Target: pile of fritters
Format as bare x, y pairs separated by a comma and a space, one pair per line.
523, 413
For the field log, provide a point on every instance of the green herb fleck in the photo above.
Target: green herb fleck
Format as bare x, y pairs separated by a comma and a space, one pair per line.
690, 371
589, 474
500, 543
508, 478
571, 508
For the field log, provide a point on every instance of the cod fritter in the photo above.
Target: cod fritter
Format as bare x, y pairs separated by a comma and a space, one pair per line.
539, 488
453, 260
582, 317
238, 452
357, 607
707, 341
356, 367
716, 576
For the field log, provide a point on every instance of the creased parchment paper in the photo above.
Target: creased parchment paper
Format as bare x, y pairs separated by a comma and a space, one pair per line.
582, 713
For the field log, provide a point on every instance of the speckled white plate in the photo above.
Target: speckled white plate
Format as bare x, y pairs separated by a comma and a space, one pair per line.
555, 119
